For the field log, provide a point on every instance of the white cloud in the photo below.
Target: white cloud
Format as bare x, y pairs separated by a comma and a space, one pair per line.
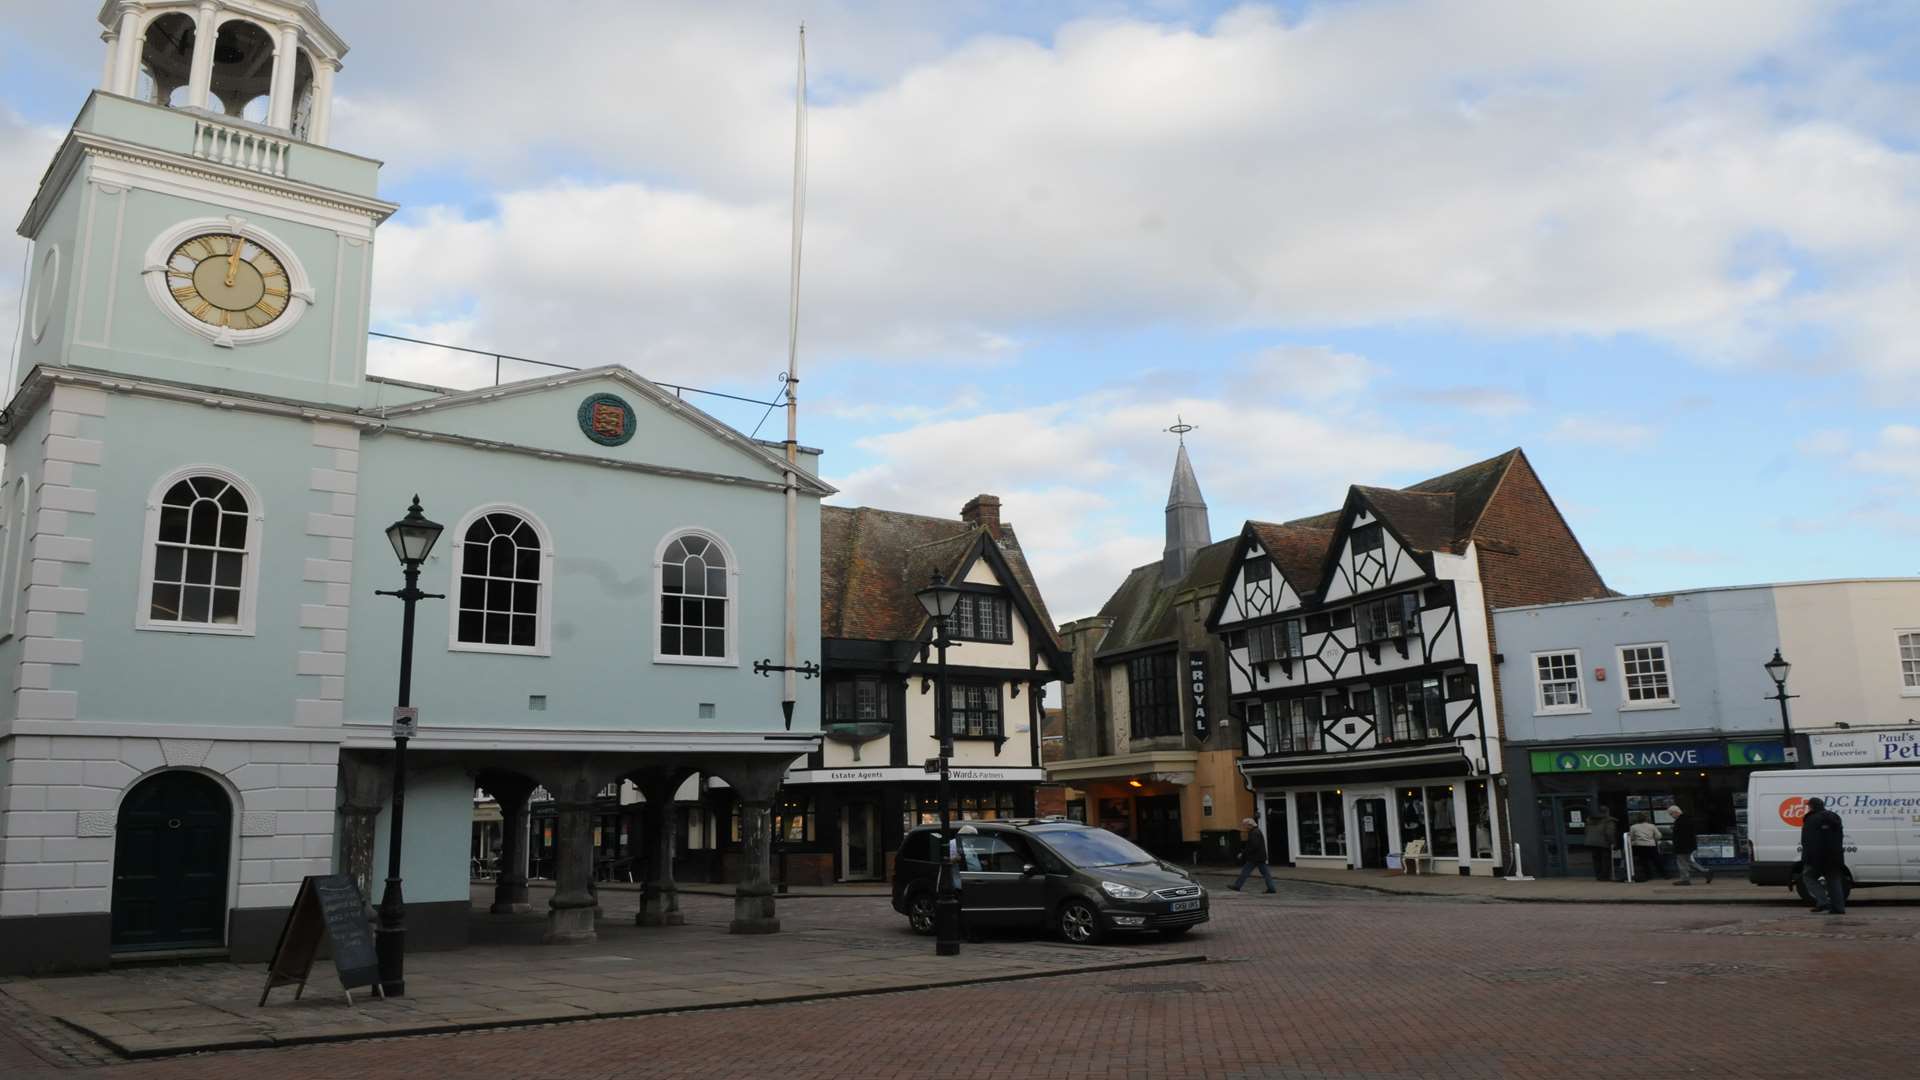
1079, 478
1312, 372
1491, 401
1896, 451
1603, 431
1547, 168
1824, 443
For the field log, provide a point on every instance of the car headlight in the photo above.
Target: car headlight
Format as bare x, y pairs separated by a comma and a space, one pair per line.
1122, 892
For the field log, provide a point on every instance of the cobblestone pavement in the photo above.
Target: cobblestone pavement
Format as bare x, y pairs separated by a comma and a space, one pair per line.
1316, 983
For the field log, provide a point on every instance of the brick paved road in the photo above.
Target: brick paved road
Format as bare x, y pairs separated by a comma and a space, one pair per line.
1315, 983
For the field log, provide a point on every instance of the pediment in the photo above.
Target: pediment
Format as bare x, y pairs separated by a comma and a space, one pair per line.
605, 412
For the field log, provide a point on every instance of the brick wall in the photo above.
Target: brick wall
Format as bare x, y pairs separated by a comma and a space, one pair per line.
1528, 554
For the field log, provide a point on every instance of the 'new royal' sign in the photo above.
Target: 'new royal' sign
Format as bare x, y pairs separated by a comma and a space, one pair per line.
1197, 684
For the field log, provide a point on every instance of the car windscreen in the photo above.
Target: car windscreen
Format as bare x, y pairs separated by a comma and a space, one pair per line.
1089, 848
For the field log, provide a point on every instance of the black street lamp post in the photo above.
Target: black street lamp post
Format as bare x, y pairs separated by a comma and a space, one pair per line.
1777, 669
412, 538
939, 599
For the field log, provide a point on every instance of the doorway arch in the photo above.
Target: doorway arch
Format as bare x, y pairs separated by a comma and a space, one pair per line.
170, 857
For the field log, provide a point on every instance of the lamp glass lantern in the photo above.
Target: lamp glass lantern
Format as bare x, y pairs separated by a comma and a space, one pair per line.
1777, 668
939, 598
413, 536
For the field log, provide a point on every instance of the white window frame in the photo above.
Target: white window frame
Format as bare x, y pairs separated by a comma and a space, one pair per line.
543, 614
250, 564
1671, 701
732, 658
1540, 706
1907, 689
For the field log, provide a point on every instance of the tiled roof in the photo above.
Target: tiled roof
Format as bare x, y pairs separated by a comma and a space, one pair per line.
1298, 550
1424, 518
872, 562
1142, 608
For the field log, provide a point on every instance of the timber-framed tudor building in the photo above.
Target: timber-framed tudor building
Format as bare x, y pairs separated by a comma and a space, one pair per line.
1363, 667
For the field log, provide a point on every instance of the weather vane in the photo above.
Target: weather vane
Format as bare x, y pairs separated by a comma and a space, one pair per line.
1181, 427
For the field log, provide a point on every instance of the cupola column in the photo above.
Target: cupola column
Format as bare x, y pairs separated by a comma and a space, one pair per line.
321, 123
201, 78
126, 53
112, 41
286, 60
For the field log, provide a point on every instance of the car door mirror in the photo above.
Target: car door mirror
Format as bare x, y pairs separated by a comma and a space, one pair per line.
1029, 870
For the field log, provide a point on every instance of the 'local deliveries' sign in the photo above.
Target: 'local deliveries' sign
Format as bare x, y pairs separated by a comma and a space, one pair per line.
1866, 748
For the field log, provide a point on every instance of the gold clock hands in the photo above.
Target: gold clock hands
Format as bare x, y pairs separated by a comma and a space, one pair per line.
233, 262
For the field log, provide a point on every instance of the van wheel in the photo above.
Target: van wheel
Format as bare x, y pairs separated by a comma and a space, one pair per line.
920, 912
1800, 890
1079, 923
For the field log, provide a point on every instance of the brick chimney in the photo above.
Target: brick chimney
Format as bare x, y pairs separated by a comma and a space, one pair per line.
983, 510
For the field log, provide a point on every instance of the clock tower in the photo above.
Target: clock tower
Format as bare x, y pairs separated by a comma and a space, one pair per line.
195, 227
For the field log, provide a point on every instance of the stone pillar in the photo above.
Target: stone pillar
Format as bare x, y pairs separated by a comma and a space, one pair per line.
200, 77
754, 783
286, 62
320, 125
366, 781
659, 896
126, 64
510, 790
570, 914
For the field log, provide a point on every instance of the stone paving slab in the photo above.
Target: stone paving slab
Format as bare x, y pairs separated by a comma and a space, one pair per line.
141, 1012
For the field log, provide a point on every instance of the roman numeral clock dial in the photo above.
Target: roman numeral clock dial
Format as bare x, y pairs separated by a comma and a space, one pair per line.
227, 280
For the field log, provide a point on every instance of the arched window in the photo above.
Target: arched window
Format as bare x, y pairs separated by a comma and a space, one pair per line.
696, 578
202, 554
501, 583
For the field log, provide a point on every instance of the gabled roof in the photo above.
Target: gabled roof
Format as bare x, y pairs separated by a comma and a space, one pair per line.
873, 562
1442, 514
1142, 608
1295, 549
672, 403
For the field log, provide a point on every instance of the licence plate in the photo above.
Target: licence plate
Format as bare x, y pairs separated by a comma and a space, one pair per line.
1186, 905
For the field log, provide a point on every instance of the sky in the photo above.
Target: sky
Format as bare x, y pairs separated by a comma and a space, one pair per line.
1672, 250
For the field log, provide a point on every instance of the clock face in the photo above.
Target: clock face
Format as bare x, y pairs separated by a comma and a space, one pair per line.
224, 279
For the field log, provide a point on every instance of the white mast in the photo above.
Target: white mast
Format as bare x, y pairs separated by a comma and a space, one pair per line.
790, 678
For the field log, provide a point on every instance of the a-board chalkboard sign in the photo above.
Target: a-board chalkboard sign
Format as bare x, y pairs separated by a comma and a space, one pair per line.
329, 905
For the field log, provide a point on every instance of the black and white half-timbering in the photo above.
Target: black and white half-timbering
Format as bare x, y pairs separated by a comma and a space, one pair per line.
1360, 660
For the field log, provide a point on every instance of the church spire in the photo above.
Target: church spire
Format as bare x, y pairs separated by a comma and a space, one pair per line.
1187, 527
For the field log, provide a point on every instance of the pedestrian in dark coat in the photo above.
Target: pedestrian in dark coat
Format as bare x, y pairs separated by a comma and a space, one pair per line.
1602, 839
1686, 841
1253, 854
1823, 858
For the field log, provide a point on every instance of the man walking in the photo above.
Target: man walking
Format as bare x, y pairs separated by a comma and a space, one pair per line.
1686, 841
1253, 854
1823, 855
1603, 832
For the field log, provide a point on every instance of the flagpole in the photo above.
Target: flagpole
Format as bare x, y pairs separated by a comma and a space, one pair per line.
790, 678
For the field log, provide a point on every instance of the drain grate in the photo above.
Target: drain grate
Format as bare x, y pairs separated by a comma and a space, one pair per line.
1188, 987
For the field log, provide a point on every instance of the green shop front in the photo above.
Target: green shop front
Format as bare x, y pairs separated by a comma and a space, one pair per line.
1564, 785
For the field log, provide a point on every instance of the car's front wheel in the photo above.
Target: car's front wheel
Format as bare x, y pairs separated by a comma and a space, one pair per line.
920, 912
1079, 923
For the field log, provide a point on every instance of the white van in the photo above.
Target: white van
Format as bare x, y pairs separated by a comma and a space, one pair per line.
1880, 808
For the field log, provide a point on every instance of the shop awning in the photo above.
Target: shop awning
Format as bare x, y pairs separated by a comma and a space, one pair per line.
1167, 763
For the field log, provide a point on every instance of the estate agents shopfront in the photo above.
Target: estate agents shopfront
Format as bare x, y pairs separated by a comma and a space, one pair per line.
1565, 785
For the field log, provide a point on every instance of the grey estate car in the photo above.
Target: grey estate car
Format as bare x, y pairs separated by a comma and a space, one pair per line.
1078, 881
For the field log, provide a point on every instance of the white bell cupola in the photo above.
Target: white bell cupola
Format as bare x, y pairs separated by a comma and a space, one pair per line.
269, 62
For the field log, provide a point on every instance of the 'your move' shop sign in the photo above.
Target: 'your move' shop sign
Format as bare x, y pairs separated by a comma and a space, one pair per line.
1681, 756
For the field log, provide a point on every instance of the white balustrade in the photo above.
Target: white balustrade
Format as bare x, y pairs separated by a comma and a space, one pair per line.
240, 147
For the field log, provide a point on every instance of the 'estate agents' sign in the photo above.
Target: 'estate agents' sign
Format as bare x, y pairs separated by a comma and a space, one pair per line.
1866, 748
1684, 756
